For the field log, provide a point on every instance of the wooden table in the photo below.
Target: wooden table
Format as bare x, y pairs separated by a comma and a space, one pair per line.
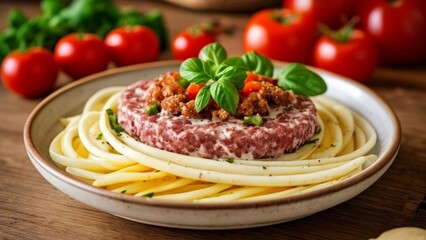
30, 208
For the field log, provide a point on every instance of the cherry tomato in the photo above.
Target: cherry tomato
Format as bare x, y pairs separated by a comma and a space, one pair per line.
249, 87
79, 55
193, 89
329, 12
281, 34
353, 55
132, 44
188, 44
30, 73
398, 27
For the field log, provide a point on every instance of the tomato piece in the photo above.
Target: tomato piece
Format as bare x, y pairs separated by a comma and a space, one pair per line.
251, 77
193, 89
30, 73
281, 34
249, 87
81, 54
354, 56
329, 12
257, 77
397, 27
188, 44
132, 44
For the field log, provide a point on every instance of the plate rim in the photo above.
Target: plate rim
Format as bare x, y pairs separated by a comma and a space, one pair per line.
32, 151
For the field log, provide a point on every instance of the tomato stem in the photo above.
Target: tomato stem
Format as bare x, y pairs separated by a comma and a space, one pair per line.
343, 34
284, 17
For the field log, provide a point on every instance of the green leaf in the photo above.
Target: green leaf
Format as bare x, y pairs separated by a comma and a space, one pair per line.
210, 69
235, 75
225, 95
234, 61
255, 120
301, 80
194, 70
258, 64
202, 98
213, 52
153, 108
113, 121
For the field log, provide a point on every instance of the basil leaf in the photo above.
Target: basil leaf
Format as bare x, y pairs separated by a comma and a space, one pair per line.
235, 75
225, 95
258, 64
209, 69
213, 52
234, 61
301, 80
193, 70
202, 98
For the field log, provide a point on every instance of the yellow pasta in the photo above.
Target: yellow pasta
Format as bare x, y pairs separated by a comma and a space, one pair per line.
88, 148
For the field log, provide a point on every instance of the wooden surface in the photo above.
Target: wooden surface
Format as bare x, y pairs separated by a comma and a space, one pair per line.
30, 208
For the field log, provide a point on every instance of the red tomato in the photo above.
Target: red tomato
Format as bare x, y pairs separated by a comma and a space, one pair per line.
355, 58
249, 87
398, 28
79, 55
193, 89
281, 34
329, 12
188, 44
31, 73
132, 44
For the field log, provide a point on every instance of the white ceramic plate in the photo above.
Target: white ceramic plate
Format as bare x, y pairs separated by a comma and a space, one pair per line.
43, 124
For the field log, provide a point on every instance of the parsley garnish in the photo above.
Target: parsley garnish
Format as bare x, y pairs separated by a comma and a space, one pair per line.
99, 137
230, 160
113, 121
148, 195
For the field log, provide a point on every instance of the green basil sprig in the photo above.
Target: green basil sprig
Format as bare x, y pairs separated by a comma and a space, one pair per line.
222, 80
223, 77
301, 80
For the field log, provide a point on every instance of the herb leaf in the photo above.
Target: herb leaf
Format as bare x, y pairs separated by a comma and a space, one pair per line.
113, 121
213, 52
202, 98
255, 120
234, 61
225, 94
258, 64
153, 108
148, 195
193, 70
235, 75
301, 80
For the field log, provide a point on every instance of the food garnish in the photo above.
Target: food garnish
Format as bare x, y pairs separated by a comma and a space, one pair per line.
224, 77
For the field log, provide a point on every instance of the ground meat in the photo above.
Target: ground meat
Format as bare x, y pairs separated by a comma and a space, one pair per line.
164, 87
276, 95
171, 86
284, 130
188, 110
154, 95
173, 103
221, 114
253, 104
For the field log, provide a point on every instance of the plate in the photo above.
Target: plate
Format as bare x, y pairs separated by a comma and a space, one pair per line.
43, 124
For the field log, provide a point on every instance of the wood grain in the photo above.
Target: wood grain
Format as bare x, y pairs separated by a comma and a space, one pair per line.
30, 208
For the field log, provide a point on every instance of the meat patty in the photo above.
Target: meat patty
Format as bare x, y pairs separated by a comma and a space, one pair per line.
285, 129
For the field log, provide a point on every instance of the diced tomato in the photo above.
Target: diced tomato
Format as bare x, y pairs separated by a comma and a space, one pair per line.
251, 86
251, 76
193, 89
257, 77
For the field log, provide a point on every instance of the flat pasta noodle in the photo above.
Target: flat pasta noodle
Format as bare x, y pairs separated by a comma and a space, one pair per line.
89, 149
